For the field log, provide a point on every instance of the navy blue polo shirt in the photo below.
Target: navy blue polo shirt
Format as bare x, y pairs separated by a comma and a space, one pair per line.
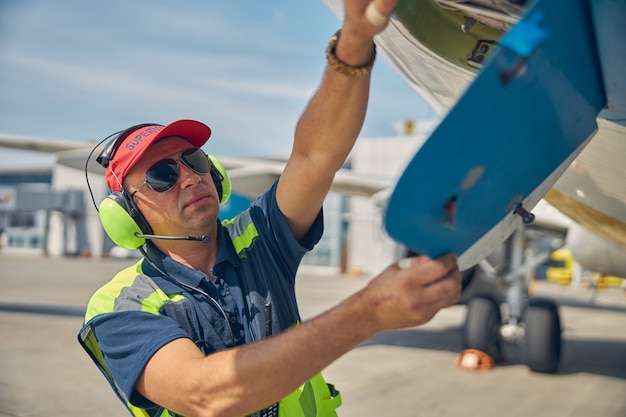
159, 300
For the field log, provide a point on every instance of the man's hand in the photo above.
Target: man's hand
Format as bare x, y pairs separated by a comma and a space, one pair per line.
368, 17
411, 292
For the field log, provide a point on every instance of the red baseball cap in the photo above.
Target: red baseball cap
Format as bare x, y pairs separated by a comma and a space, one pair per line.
139, 141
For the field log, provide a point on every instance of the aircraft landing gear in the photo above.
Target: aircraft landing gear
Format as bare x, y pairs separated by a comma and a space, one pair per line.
538, 335
541, 348
530, 323
482, 326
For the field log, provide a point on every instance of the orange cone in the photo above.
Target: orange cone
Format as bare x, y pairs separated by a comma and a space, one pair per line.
474, 360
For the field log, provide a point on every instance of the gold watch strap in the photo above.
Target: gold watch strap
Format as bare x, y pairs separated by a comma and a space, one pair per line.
343, 68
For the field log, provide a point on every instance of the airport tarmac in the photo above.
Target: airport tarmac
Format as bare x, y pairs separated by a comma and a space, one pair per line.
408, 373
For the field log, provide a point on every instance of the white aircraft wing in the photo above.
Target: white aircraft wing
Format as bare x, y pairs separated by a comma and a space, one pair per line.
46, 145
252, 176
248, 176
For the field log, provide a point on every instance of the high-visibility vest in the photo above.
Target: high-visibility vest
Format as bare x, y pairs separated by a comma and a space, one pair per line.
315, 398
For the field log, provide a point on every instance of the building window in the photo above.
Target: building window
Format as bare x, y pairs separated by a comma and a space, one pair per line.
22, 219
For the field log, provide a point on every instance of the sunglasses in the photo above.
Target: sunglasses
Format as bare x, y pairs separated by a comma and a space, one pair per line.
163, 174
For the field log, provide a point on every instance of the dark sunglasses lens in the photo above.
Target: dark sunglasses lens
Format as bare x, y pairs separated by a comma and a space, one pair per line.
196, 160
163, 175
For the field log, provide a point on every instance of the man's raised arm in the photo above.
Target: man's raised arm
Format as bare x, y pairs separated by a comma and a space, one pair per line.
334, 116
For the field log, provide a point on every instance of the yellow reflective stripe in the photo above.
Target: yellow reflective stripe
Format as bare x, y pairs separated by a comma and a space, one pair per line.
123, 292
244, 240
311, 399
103, 301
139, 412
228, 221
90, 342
155, 301
242, 231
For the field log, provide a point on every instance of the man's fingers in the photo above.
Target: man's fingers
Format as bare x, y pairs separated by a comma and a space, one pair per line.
404, 263
375, 17
445, 291
448, 261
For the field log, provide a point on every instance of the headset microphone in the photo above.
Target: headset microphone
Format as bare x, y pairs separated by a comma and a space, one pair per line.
203, 239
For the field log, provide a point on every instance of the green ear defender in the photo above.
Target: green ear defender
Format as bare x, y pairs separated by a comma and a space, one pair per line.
123, 221
220, 179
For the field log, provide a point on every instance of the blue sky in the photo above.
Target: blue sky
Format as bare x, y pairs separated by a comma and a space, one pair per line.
80, 70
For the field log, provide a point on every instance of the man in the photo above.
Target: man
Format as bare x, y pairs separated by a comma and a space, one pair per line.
208, 325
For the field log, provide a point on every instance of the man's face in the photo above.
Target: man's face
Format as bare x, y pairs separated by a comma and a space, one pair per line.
190, 207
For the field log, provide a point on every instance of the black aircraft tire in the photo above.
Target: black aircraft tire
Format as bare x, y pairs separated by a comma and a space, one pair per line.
482, 326
542, 338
